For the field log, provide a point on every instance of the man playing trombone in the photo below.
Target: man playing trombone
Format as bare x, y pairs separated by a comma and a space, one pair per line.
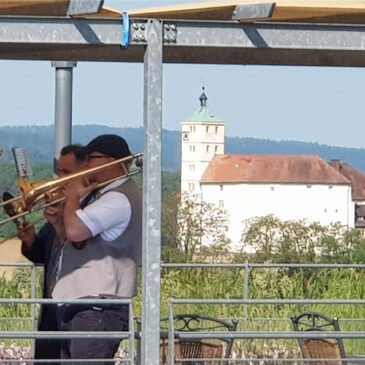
102, 248
41, 249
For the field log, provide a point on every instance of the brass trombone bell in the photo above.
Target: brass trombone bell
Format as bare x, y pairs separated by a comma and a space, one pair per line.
34, 192
15, 208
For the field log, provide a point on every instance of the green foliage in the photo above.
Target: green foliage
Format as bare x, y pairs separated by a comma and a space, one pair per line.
199, 222
298, 242
13, 289
170, 183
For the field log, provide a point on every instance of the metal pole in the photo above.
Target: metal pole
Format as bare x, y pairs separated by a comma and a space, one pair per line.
151, 260
63, 107
246, 295
33, 296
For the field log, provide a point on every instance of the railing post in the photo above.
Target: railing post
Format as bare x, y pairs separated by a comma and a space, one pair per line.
33, 293
246, 295
171, 342
132, 332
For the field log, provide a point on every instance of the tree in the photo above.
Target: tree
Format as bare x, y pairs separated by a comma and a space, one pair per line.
199, 225
299, 241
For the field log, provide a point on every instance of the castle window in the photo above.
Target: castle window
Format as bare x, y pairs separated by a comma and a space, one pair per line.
192, 167
191, 186
216, 130
221, 187
216, 148
207, 129
221, 204
272, 188
185, 136
192, 148
192, 128
207, 148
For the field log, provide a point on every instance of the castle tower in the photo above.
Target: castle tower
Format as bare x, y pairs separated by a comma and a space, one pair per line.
202, 138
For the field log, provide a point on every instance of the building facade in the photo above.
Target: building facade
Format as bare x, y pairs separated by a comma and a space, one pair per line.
290, 187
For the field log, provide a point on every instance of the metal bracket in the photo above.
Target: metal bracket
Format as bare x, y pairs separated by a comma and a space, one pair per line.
253, 11
79, 7
169, 33
138, 32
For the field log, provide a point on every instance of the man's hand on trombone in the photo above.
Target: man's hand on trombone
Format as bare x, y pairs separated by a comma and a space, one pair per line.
27, 234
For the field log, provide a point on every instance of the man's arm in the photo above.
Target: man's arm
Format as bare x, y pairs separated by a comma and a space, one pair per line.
75, 229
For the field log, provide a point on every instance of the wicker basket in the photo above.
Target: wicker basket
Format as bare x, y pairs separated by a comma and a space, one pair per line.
322, 349
193, 350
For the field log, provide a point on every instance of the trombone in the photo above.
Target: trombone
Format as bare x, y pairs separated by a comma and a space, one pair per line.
32, 193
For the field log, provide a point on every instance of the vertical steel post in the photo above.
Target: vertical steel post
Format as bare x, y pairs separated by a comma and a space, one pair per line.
63, 107
246, 295
132, 332
171, 342
33, 294
151, 261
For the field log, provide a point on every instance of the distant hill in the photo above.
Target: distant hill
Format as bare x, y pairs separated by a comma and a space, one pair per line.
38, 140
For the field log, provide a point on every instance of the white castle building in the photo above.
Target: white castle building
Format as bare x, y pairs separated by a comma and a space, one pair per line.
291, 187
202, 139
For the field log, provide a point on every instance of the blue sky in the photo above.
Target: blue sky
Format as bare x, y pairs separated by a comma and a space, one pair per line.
323, 105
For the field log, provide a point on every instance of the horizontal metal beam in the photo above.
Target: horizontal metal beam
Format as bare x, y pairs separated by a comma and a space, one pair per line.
64, 334
267, 43
184, 42
49, 31
267, 301
70, 39
189, 335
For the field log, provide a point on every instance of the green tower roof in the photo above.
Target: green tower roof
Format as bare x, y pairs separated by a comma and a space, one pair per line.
203, 114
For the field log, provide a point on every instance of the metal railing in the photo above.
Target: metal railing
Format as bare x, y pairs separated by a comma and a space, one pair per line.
129, 335
246, 303
248, 267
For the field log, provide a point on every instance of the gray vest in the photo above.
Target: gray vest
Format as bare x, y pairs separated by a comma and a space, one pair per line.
105, 267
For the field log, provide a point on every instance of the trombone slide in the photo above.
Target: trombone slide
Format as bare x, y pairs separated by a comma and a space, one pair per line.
32, 193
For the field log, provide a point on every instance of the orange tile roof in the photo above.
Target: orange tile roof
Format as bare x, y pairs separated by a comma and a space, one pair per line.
296, 169
356, 177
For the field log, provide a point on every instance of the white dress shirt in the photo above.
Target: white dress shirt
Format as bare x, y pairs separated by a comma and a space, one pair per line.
109, 214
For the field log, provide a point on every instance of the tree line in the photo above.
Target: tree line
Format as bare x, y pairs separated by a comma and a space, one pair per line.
38, 141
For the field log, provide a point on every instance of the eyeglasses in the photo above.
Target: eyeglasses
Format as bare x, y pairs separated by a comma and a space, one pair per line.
98, 156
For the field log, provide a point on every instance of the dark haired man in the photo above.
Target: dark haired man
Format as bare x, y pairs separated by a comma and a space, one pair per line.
106, 264
40, 248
